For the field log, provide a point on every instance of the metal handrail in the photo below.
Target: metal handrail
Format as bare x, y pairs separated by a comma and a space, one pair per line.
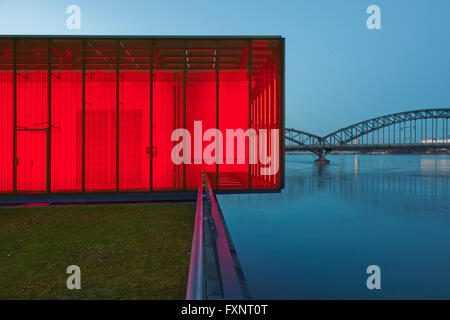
194, 289
230, 283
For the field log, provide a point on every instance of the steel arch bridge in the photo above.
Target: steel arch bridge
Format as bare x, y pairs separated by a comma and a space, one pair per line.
416, 130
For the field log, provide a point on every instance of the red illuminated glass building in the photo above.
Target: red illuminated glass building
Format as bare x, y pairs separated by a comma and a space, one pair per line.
96, 114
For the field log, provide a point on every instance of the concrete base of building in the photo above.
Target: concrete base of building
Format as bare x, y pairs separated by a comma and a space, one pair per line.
91, 198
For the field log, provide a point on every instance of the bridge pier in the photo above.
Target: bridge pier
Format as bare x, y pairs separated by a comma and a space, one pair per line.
322, 158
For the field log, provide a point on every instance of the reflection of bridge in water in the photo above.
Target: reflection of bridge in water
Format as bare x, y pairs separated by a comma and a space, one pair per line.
411, 131
424, 188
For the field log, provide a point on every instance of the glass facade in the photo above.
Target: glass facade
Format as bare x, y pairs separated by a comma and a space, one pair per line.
82, 114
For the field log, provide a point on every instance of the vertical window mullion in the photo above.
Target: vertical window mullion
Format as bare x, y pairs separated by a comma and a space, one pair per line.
184, 114
49, 118
117, 115
249, 113
218, 146
14, 163
151, 115
83, 118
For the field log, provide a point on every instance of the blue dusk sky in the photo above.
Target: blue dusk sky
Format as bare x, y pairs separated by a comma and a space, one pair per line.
337, 71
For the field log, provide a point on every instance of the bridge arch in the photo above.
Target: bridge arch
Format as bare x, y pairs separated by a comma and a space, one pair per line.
357, 130
301, 138
408, 131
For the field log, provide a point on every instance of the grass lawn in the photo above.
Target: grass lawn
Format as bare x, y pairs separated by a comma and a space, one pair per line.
132, 251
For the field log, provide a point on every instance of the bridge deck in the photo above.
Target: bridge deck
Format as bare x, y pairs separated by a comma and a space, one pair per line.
369, 147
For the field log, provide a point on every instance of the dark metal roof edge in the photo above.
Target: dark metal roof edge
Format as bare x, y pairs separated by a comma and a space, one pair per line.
144, 36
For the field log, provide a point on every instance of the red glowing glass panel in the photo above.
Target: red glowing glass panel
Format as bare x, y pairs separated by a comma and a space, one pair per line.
134, 115
66, 109
31, 161
266, 109
201, 59
168, 111
167, 116
100, 113
32, 114
6, 116
234, 111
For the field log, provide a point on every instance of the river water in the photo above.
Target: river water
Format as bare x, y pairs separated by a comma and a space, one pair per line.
316, 238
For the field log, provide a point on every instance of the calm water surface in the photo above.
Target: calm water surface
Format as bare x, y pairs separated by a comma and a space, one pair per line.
317, 237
